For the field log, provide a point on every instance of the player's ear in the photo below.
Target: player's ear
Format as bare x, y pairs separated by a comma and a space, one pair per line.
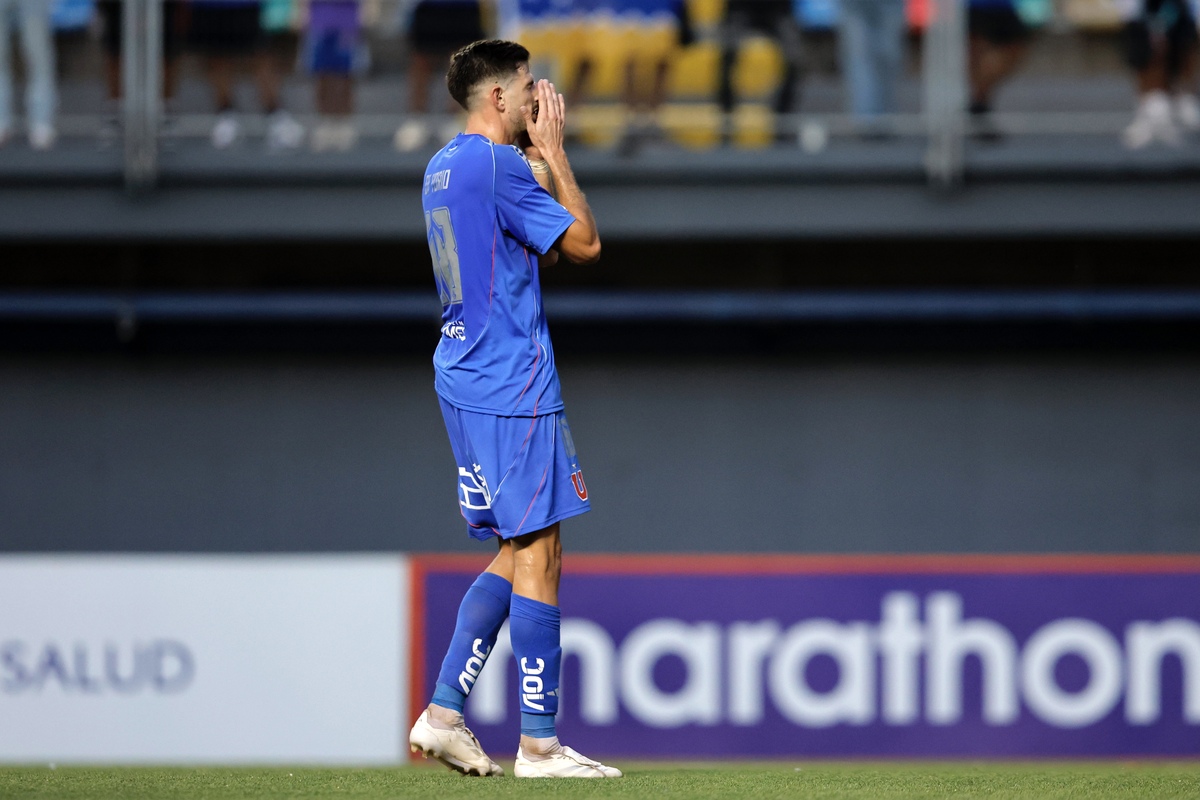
496, 96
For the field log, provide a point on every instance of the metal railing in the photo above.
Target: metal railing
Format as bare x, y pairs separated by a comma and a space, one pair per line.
942, 121
141, 21
945, 93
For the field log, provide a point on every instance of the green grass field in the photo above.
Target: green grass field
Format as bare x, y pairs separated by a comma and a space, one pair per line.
729, 781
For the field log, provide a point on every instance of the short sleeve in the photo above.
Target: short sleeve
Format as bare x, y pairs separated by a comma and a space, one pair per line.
527, 211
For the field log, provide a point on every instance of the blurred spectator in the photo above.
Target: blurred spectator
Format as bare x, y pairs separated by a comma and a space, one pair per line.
644, 37
997, 40
32, 18
436, 30
281, 24
871, 57
333, 48
227, 32
648, 66
771, 18
1160, 39
113, 26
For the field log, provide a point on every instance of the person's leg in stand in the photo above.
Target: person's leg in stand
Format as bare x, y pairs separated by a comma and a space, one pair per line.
41, 91
437, 31
995, 48
415, 131
284, 132
221, 71
1152, 121
791, 46
1182, 72
6, 76
729, 35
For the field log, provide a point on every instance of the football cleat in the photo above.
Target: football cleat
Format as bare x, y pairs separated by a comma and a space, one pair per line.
564, 764
456, 747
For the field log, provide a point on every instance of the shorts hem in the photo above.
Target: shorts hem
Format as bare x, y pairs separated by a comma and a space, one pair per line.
491, 533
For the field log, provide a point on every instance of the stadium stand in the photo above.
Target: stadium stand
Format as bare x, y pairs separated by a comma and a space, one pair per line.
1062, 114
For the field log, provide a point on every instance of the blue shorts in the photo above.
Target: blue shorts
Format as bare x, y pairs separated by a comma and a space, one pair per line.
516, 475
333, 37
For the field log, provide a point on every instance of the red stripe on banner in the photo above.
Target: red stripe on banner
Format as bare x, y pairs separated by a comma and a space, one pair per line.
783, 564
419, 567
418, 698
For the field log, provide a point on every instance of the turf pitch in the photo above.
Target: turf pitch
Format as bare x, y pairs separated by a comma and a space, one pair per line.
729, 781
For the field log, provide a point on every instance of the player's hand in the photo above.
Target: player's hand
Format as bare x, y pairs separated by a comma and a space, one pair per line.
532, 153
546, 129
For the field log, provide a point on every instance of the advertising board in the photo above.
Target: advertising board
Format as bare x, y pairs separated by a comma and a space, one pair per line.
851, 656
212, 659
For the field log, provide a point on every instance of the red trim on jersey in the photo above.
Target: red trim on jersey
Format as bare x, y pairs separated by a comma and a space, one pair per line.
537, 356
492, 281
541, 486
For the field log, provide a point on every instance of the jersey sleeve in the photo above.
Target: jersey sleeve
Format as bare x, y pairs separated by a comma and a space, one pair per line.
526, 210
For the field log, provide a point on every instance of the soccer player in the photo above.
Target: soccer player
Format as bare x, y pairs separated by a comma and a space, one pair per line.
500, 203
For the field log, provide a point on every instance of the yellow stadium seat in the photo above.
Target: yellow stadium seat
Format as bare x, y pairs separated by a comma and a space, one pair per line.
693, 125
604, 46
539, 39
753, 126
600, 124
652, 44
555, 48
696, 71
758, 69
705, 15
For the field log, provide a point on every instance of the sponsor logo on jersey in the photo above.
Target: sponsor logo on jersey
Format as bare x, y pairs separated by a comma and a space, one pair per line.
455, 330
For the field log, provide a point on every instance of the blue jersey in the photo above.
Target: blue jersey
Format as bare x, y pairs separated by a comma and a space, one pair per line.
487, 220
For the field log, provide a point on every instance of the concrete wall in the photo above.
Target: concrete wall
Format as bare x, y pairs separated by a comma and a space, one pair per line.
969, 453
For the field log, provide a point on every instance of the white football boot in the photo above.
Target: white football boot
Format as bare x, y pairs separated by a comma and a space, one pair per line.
456, 747
564, 764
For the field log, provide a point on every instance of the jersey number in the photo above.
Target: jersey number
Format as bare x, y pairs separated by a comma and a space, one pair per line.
443, 248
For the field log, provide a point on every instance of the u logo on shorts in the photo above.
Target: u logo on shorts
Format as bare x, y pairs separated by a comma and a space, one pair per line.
580, 486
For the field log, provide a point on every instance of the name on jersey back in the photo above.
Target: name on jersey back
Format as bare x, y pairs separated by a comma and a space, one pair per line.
437, 181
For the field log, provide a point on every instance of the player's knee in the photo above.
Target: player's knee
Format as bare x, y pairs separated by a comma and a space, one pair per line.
538, 556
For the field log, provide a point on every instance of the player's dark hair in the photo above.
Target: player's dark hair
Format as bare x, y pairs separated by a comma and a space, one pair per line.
485, 60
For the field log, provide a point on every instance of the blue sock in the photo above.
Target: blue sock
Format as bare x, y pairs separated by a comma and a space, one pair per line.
534, 628
483, 610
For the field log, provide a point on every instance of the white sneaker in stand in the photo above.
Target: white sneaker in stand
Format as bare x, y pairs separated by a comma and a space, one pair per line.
284, 132
456, 747
564, 764
1187, 111
1152, 123
410, 136
42, 136
226, 131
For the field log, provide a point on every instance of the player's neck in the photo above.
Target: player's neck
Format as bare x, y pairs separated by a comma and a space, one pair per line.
492, 126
